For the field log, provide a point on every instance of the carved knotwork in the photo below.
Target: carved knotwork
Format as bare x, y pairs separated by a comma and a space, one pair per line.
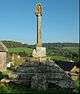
38, 9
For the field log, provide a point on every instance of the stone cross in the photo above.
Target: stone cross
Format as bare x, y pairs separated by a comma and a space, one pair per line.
39, 52
38, 12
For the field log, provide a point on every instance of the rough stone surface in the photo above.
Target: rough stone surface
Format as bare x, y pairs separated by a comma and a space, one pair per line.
3, 56
39, 52
2, 61
40, 75
39, 81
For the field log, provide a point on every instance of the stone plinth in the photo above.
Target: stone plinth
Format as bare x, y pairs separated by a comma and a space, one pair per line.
39, 52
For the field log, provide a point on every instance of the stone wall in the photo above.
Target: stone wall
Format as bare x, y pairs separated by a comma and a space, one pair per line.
3, 59
43, 74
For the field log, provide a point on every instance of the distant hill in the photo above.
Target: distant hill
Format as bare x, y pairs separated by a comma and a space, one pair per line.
18, 48
12, 44
51, 45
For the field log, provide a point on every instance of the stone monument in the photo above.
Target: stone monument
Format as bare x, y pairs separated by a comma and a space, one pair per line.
46, 74
39, 52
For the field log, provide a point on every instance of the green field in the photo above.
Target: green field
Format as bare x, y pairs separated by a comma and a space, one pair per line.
58, 58
64, 54
20, 50
72, 49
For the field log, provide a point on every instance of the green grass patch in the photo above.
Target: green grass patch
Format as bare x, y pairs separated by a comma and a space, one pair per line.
21, 50
59, 58
77, 82
72, 49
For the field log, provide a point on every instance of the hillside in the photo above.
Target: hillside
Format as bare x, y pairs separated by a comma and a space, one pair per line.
12, 44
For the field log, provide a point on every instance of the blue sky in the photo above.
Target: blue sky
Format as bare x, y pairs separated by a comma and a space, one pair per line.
60, 20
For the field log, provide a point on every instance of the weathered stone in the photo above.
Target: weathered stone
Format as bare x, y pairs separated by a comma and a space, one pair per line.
41, 74
3, 57
39, 24
39, 82
40, 51
5, 81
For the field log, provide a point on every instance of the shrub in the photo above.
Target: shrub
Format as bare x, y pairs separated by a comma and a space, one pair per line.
1, 75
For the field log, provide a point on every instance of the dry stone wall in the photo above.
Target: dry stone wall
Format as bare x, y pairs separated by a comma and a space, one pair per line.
3, 56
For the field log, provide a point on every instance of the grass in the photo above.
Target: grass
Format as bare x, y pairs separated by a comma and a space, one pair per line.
77, 82
58, 58
20, 49
71, 49
25, 50
13, 89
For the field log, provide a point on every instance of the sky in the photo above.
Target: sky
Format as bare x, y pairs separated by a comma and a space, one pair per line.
60, 20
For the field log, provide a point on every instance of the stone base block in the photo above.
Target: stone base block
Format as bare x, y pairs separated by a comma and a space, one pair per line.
39, 52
